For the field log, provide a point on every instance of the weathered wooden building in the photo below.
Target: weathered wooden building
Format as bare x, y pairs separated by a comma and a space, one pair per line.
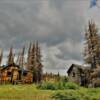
27, 77
14, 74
79, 74
84, 76
10, 73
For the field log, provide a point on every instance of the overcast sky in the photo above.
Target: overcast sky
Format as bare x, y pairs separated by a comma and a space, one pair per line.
58, 25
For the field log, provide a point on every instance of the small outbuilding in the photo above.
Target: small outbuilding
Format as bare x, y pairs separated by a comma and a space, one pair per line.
79, 74
15, 74
10, 73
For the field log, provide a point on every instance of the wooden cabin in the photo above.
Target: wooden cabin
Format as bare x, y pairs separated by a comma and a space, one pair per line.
10, 73
14, 74
79, 74
27, 77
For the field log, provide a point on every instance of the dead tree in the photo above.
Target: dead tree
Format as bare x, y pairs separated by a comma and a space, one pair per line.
39, 62
34, 61
18, 57
29, 57
92, 46
1, 56
10, 57
21, 57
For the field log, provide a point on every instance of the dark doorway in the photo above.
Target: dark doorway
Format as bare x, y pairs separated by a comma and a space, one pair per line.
83, 81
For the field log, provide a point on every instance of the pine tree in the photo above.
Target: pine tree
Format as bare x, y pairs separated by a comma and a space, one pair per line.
92, 45
33, 55
32, 58
38, 53
21, 57
34, 61
29, 59
18, 59
10, 57
39, 64
28, 56
1, 56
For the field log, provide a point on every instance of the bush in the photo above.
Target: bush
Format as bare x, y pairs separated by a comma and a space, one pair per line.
73, 96
80, 94
64, 79
57, 86
71, 86
65, 96
47, 86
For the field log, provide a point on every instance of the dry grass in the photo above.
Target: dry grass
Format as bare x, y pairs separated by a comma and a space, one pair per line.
23, 92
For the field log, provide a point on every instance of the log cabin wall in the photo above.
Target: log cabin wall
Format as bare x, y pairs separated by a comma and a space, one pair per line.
9, 74
74, 76
27, 77
13, 74
79, 74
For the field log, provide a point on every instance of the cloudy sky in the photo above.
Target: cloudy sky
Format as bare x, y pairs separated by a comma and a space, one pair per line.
58, 25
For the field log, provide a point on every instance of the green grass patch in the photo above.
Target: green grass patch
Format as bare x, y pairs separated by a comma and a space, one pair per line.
31, 92
57, 86
81, 94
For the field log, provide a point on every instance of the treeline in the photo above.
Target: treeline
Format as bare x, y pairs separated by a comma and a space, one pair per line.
51, 77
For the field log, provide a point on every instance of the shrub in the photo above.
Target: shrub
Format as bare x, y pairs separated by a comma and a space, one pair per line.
47, 86
64, 79
57, 86
65, 96
70, 85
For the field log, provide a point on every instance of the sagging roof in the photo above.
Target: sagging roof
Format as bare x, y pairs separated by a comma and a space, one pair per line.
80, 67
14, 65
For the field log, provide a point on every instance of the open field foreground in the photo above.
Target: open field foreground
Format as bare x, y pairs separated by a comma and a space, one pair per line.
30, 92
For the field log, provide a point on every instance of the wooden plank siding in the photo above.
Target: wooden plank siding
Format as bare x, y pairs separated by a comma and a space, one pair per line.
13, 74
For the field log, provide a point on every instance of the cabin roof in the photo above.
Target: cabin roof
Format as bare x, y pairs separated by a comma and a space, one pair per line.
80, 67
7, 66
14, 65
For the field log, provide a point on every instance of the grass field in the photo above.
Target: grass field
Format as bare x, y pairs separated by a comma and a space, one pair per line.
30, 92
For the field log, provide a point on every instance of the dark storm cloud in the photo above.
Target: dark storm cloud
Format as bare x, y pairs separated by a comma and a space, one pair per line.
71, 49
57, 24
34, 19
